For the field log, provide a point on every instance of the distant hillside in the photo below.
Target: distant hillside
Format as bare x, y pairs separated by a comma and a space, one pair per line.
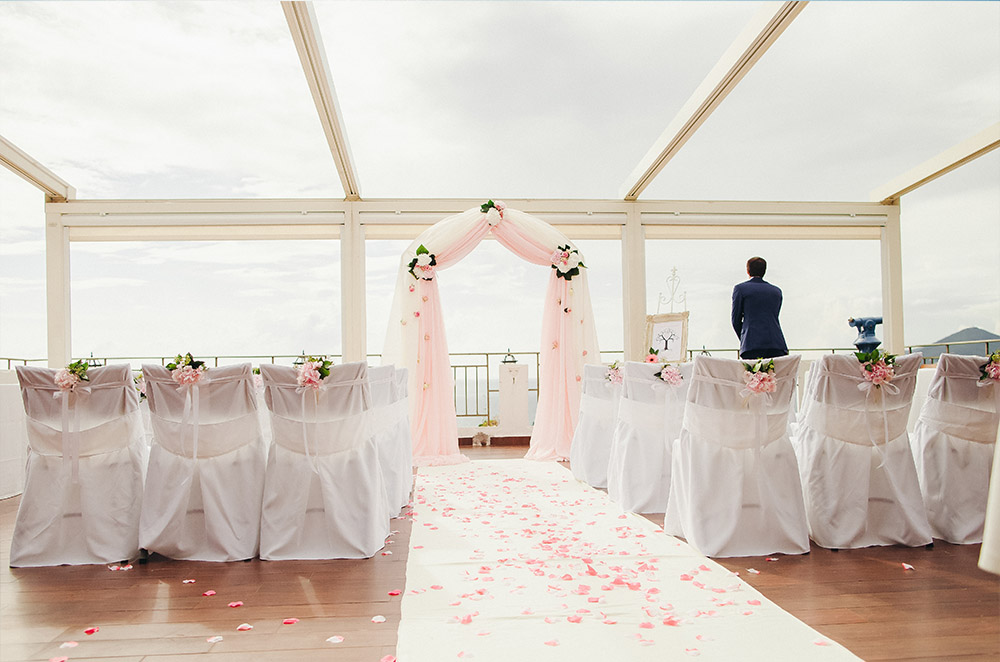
972, 333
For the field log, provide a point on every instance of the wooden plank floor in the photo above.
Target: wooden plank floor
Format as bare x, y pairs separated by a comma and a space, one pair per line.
945, 609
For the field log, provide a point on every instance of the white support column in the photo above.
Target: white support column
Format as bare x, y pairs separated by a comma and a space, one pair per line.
57, 290
353, 320
892, 282
634, 284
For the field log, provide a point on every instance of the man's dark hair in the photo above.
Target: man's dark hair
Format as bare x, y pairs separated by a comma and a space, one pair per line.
756, 266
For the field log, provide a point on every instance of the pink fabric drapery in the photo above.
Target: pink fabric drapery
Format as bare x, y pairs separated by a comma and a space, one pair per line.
416, 336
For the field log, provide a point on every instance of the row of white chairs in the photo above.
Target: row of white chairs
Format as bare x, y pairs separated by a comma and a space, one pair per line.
737, 476
208, 487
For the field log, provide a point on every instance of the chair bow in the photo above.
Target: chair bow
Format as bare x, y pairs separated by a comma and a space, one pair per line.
874, 391
190, 416
71, 435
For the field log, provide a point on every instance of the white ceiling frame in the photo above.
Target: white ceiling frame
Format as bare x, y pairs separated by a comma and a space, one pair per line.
305, 33
20, 163
748, 47
152, 220
982, 143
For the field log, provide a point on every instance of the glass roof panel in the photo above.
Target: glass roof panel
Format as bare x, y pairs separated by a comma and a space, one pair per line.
515, 99
150, 100
852, 95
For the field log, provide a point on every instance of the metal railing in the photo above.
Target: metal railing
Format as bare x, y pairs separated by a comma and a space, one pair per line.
476, 374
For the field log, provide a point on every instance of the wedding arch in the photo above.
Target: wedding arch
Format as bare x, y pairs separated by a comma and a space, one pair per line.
416, 336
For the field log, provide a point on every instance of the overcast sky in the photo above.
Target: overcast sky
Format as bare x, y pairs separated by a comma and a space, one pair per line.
501, 100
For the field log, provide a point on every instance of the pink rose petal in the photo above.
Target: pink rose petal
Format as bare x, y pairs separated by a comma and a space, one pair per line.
69, 644
753, 572
574, 619
906, 566
692, 651
646, 625
378, 619
772, 559
552, 642
437, 587
755, 603
335, 639
822, 642
208, 593
58, 659
395, 591
214, 640
93, 630
188, 581
609, 621
290, 621
243, 627
238, 603
388, 658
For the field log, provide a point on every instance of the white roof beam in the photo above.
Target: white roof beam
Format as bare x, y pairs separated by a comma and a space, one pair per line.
982, 143
55, 188
751, 44
305, 33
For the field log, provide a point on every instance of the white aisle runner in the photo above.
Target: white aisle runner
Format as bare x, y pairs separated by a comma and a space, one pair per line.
516, 561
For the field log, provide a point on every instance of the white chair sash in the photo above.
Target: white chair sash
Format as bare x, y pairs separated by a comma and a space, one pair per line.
765, 419
71, 442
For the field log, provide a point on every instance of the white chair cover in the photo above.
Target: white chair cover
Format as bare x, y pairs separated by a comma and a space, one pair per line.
925, 375
324, 496
953, 444
649, 419
386, 412
734, 484
403, 436
591, 450
83, 487
206, 467
860, 489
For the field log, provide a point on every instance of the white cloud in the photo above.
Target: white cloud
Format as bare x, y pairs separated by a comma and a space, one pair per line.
206, 99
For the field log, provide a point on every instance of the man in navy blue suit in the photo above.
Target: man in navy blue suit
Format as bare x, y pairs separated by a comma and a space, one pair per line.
756, 304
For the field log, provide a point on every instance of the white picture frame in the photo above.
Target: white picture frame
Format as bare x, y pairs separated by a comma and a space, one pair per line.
668, 333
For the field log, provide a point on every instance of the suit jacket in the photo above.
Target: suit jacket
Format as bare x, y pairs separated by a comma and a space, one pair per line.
756, 304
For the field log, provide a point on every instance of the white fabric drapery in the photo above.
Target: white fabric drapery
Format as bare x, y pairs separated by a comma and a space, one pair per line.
591, 450
734, 484
953, 444
857, 438
649, 420
416, 340
206, 467
83, 487
324, 495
